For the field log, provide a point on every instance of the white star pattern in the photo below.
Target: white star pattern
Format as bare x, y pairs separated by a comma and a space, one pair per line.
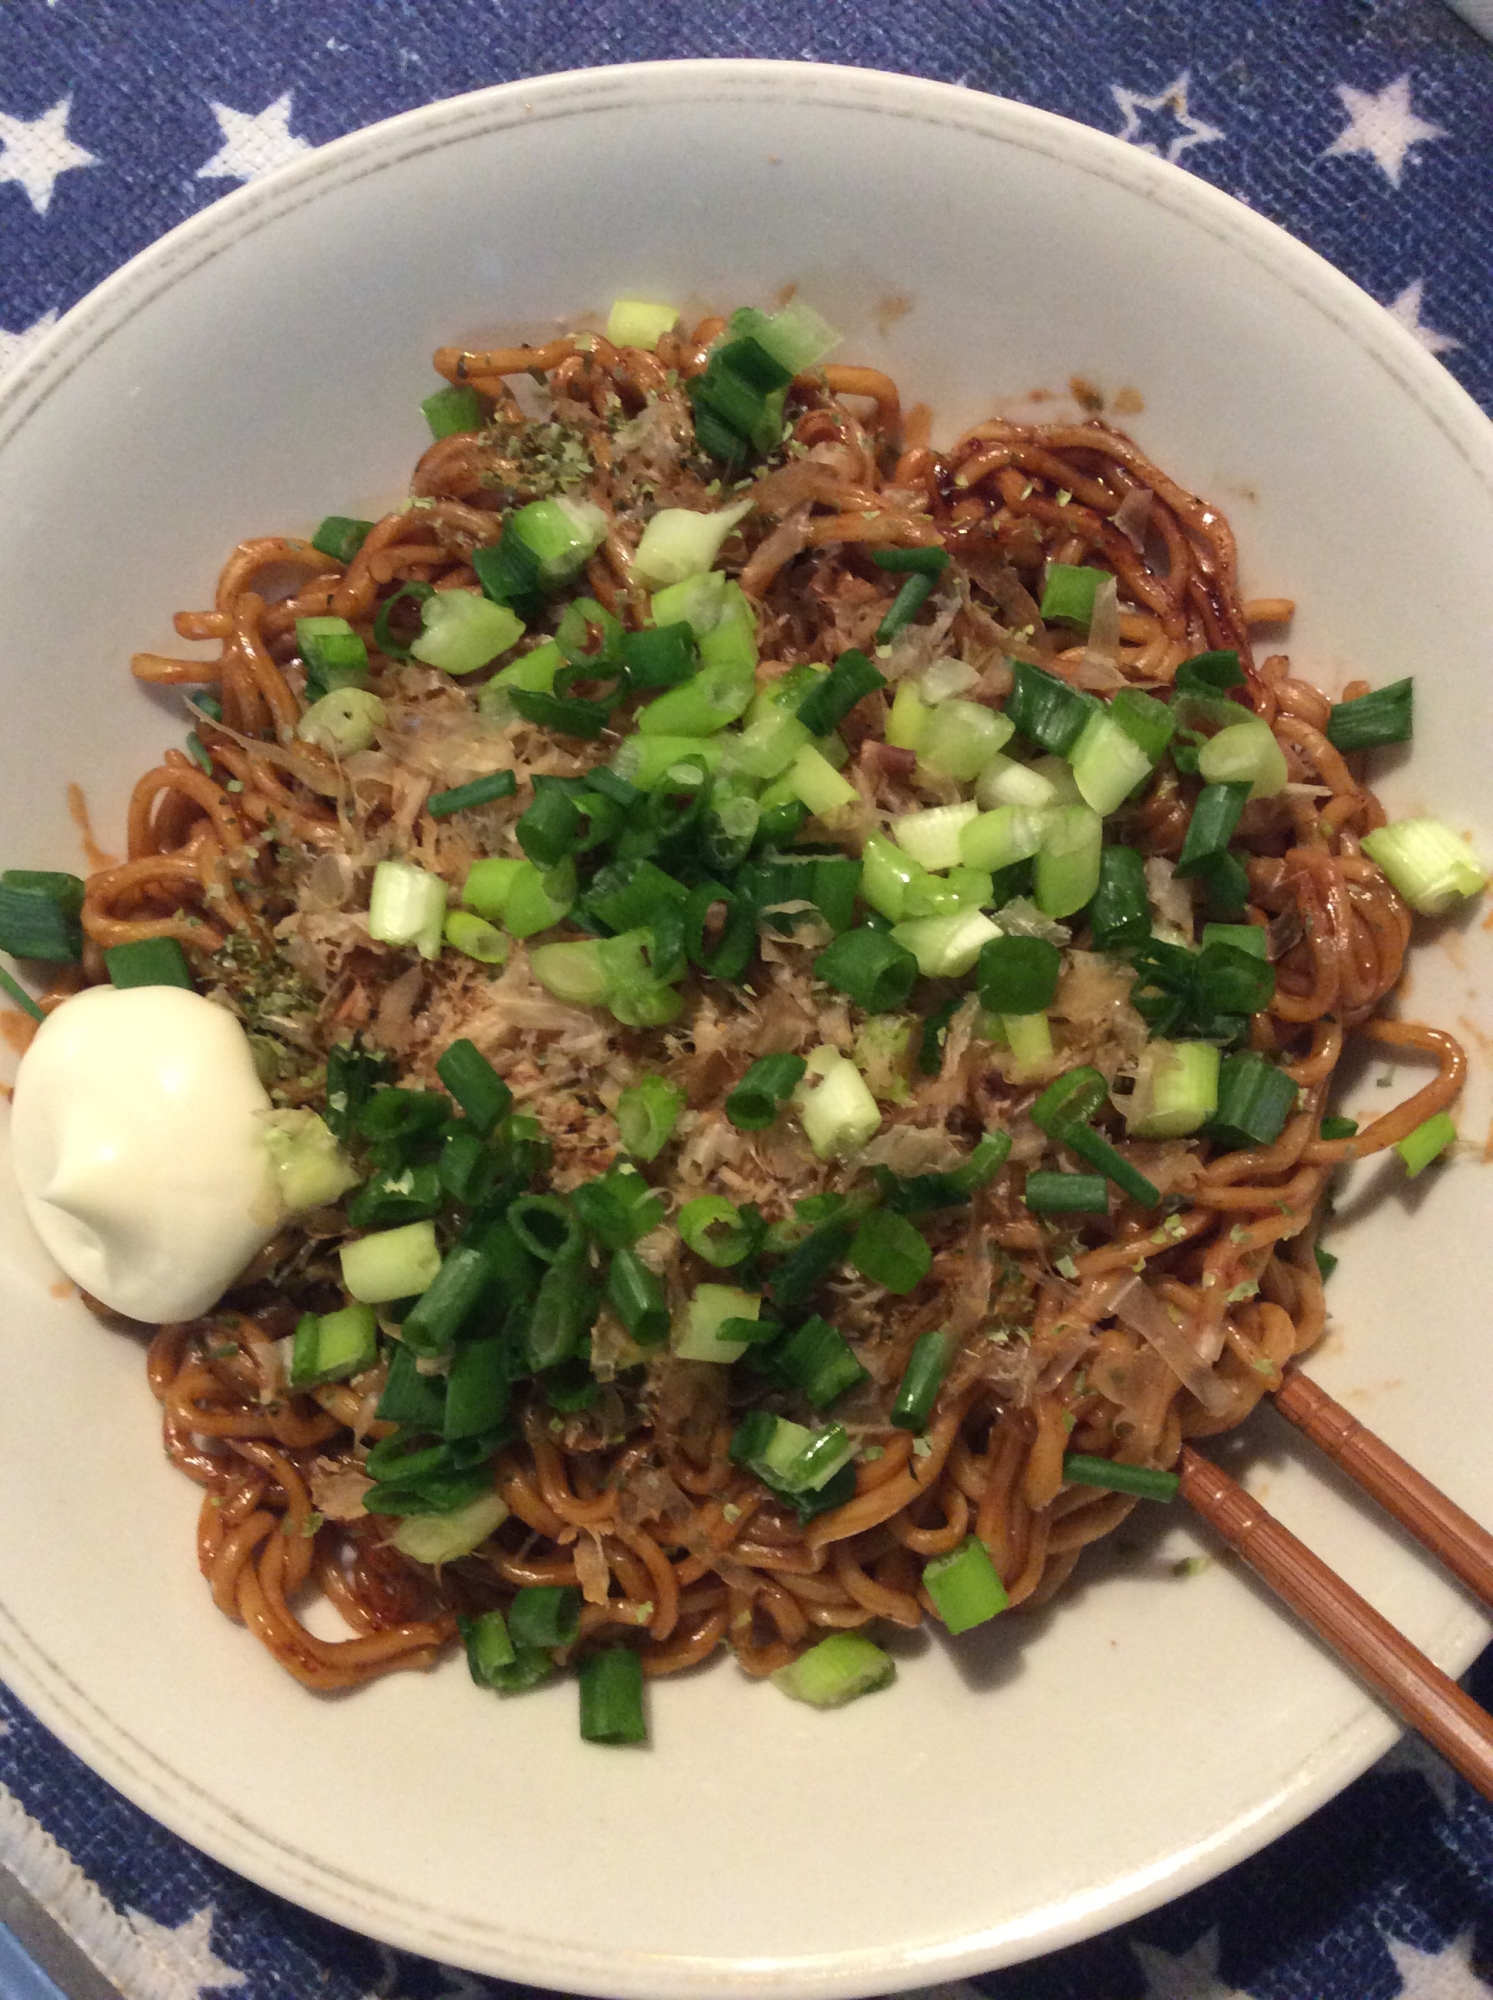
1173, 102
1406, 309
1193, 1976
37, 151
1437, 1975
14, 347
254, 143
182, 1959
1383, 125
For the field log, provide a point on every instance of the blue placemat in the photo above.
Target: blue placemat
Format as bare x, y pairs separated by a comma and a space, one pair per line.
1361, 125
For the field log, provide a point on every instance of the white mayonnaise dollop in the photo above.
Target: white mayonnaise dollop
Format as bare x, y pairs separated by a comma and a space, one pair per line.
137, 1137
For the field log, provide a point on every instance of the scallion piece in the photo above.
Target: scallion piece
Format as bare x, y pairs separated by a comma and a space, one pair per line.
618, 1207
1253, 938
9, 984
149, 962
1326, 1262
332, 654
446, 1537
1245, 753
840, 1668
816, 1360
407, 907
1046, 710
890, 1251
1066, 872
394, 1264
661, 656
480, 792
1049, 1193
837, 1111
455, 408
1068, 592
647, 1112
638, 323
39, 915
1120, 913
536, 898
545, 1614
964, 1586
755, 1102
678, 543
832, 697
549, 830
1211, 827
1430, 864
714, 1229
493, 1660
340, 537
959, 738
1003, 837
1018, 975
1429, 1139
1079, 1469
1176, 1089
912, 562
1107, 762
343, 721
565, 1305
871, 967
383, 623
561, 535
905, 606
1209, 674
1149, 722
545, 1226
711, 1328
1254, 1101
922, 1379
462, 631
699, 706
1386, 715
437, 1316
330, 1347
611, 1684
1333, 1129
636, 1295
1030, 1039
1095, 1149
475, 1084
946, 947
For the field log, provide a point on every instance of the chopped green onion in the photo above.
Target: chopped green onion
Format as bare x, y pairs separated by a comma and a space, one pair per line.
1120, 913
1209, 674
1018, 975
1049, 1193
39, 915
329, 1347
797, 337
559, 537
1326, 1262
871, 967
475, 1084
1429, 1139
754, 1103
1107, 762
444, 1538
198, 752
908, 717
647, 1112
1338, 1128
1071, 1100
659, 657
416, 1401
494, 1662
959, 738
1080, 1469
702, 1334
566, 716
840, 1668
545, 1614
489, 884
933, 836
636, 1295
340, 537
1030, 1039
905, 606
394, 1264
1045, 709
714, 1229
1386, 715
545, 1226
565, 1305
437, 1316
333, 654
1149, 722
1254, 1101
807, 1265
1069, 591
832, 697
461, 630
1004, 782
1094, 1148
889, 1251
477, 1388
149, 962
700, 706
383, 623
1068, 862
480, 792
818, 784
1253, 938
1430, 864
1245, 753
455, 408
536, 898
637, 323
1176, 1090
1211, 827
837, 1111
946, 947
912, 562
787, 1456
18, 993
343, 722
922, 1379
816, 1359
678, 543
964, 1585
612, 1697
549, 830
407, 906
1003, 837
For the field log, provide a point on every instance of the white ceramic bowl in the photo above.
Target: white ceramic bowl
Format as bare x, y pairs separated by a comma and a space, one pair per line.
263, 365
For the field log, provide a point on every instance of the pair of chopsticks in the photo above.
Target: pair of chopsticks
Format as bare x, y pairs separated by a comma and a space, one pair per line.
1413, 1686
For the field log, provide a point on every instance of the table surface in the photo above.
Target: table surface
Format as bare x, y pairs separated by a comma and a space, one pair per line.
1363, 127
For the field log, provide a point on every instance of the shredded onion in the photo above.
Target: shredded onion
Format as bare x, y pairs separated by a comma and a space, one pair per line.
1144, 1314
1133, 516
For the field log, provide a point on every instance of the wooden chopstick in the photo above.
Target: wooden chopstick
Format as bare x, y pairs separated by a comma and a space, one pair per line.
1439, 1524
1414, 1686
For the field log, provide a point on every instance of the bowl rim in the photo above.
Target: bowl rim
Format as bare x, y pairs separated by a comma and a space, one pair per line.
170, 1795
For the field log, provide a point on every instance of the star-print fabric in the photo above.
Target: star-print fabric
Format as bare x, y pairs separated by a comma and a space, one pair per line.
1363, 126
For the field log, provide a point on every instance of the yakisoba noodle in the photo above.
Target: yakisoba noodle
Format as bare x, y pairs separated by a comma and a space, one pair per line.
1116, 1335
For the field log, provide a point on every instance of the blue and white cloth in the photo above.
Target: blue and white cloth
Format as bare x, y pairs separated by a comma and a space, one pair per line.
1364, 127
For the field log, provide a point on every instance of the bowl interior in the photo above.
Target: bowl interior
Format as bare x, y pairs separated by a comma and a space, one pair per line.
263, 367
